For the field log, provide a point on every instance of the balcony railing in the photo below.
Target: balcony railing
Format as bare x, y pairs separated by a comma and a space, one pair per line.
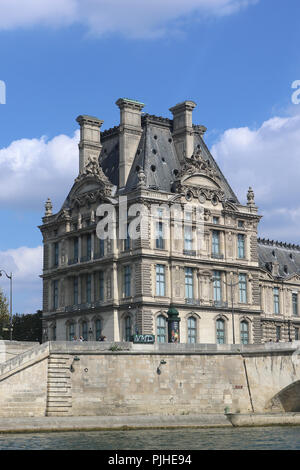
217, 256
83, 259
192, 301
220, 304
189, 252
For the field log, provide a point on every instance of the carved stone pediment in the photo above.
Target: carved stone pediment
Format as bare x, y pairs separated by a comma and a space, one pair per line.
196, 164
92, 168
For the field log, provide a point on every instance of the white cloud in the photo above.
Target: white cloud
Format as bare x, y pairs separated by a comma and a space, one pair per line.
268, 159
31, 170
134, 18
26, 265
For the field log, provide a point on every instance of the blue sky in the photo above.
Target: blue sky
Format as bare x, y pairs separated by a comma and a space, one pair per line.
236, 59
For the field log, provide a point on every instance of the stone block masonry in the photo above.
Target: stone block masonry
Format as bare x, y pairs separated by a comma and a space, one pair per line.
119, 379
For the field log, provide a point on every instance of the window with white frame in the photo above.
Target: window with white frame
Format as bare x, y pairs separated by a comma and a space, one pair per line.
192, 330
161, 329
241, 246
244, 332
220, 326
276, 300
189, 291
160, 280
243, 288
217, 286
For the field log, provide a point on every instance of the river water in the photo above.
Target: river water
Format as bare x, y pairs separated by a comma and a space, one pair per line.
263, 438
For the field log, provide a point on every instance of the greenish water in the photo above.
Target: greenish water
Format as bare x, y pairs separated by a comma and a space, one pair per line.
268, 438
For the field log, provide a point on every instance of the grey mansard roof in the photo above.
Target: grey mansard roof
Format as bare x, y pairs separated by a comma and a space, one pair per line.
286, 255
156, 155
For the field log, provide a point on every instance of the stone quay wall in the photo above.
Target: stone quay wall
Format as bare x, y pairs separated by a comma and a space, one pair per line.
105, 379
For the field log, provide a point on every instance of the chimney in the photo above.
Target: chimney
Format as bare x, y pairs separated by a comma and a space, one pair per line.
130, 135
183, 134
89, 145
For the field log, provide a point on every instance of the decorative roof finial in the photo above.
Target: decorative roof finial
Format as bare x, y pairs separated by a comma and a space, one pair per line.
250, 197
48, 207
142, 179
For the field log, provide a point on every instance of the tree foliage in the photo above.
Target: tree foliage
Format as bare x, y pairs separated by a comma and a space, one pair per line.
27, 327
4, 316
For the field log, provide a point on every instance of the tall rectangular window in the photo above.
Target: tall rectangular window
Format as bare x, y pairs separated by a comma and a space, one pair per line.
56, 254
88, 246
75, 249
215, 242
217, 286
241, 246
278, 333
188, 237
127, 281
55, 295
89, 288
243, 288
296, 334
161, 329
295, 304
220, 331
192, 330
189, 294
160, 280
160, 236
101, 285
108, 286
75, 291
276, 300
127, 240
101, 247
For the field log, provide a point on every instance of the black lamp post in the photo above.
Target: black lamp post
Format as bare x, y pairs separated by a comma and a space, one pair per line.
10, 301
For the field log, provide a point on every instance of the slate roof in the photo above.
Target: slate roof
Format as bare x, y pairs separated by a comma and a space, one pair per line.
156, 155
286, 255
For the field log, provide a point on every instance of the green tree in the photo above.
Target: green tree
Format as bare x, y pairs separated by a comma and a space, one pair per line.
4, 316
27, 327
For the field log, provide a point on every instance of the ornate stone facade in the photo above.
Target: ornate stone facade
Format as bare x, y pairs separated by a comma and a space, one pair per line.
227, 285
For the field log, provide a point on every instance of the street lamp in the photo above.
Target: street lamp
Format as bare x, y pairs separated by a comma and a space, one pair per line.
10, 300
231, 284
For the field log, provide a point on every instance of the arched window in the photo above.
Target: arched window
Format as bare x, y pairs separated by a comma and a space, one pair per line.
244, 332
128, 328
84, 329
161, 329
98, 328
71, 331
220, 331
192, 330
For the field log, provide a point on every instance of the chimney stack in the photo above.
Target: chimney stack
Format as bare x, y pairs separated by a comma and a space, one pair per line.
130, 135
183, 134
90, 144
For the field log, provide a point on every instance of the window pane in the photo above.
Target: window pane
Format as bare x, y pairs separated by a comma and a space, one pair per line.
244, 332
189, 294
217, 286
220, 332
295, 304
276, 299
98, 329
192, 332
243, 288
159, 236
188, 238
161, 329
160, 280
216, 243
241, 246
127, 281
128, 329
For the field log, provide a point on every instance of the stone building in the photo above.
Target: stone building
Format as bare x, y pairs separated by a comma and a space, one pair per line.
226, 284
